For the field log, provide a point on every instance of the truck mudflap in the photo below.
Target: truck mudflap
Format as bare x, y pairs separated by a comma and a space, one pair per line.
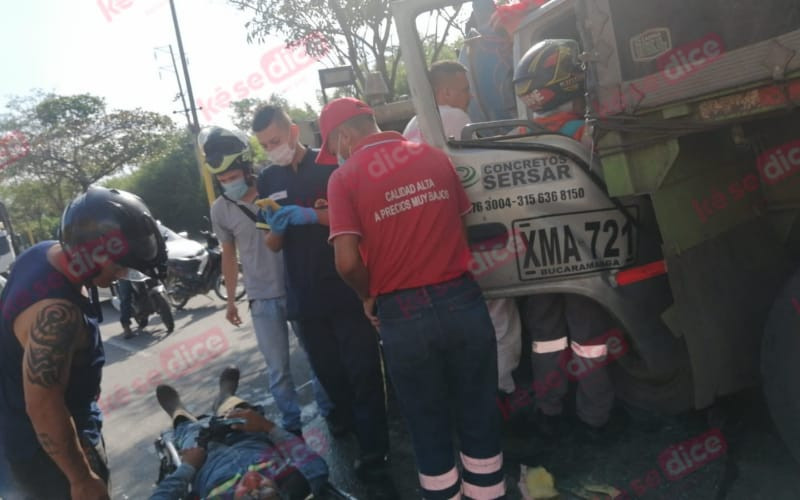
542, 222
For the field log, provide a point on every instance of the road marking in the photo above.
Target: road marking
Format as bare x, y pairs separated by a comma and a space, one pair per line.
271, 399
123, 347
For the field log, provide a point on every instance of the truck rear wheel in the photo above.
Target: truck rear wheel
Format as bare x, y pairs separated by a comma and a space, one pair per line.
670, 391
780, 349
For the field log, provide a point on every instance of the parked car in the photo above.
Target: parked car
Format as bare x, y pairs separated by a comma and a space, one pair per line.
179, 246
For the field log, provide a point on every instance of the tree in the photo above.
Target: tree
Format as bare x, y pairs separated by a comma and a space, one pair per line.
30, 212
74, 141
354, 32
244, 110
170, 186
71, 142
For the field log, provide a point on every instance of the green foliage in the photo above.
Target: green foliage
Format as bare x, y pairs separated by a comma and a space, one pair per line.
72, 142
171, 186
433, 53
355, 33
75, 141
244, 110
260, 156
29, 211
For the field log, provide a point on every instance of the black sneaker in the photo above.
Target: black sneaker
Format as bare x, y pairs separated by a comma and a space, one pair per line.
371, 467
547, 426
127, 333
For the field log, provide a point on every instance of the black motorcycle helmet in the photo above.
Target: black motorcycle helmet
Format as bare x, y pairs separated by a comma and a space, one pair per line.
549, 75
103, 224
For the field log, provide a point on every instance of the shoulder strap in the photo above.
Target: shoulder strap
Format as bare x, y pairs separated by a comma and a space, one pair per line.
244, 209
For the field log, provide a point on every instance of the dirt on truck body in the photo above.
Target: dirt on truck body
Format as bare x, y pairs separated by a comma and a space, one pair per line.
691, 169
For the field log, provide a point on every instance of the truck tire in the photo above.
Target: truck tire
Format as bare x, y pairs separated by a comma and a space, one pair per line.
670, 392
780, 349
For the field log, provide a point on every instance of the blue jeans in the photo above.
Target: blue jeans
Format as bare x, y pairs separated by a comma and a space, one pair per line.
441, 352
272, 334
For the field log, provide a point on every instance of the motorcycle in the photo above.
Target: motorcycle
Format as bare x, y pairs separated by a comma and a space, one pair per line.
148, 296
197, 272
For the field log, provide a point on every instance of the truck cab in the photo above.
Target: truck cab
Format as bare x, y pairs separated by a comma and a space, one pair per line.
689, 168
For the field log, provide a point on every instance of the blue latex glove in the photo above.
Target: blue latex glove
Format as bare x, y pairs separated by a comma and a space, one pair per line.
297, 216
277, 224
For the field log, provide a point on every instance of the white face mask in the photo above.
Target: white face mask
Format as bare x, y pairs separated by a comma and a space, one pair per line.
283, 154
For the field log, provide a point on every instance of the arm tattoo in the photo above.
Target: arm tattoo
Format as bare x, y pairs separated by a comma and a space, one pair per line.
50, 343
48, 444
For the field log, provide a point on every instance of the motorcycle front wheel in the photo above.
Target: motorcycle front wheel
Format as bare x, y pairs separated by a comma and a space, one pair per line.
177, 300
164, 310
222, 292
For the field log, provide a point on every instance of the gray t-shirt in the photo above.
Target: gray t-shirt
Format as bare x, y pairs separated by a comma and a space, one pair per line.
262, 268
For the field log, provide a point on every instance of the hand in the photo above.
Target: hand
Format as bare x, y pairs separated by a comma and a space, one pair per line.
369, 311
232, 314
91, 488
254, 422
297, 216
194, 457
277, 226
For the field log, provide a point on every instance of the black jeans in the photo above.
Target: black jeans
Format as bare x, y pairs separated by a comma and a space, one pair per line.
125, 289
345, 355
40, 477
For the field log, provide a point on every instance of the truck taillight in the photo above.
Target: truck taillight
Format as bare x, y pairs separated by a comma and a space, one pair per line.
641, 273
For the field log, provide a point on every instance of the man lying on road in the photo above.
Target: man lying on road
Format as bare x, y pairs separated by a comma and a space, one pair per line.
257, 459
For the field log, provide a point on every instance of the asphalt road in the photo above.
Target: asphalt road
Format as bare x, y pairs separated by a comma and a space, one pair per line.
737, 454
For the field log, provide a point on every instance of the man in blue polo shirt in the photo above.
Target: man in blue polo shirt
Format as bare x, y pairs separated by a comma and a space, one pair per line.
341, 343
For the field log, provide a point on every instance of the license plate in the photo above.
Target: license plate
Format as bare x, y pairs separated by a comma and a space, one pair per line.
574, 243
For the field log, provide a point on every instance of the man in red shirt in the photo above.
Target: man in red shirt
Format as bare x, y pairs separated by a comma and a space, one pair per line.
395, 211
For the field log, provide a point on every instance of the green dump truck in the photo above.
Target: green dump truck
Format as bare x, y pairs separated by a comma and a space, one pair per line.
681, 218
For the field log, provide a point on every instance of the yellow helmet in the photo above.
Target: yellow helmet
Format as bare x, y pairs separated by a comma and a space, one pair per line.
224, 149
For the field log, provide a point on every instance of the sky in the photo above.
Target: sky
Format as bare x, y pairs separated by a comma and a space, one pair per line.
108, 48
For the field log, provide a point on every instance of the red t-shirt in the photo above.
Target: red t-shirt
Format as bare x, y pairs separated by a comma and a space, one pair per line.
405, 201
